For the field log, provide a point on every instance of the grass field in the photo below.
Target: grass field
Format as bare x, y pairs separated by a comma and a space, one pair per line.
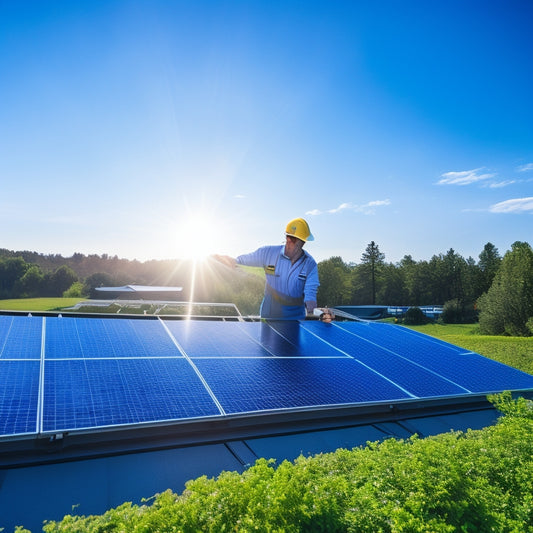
38, 304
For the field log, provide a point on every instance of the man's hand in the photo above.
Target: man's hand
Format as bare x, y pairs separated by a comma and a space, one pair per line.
310, 307
325, 314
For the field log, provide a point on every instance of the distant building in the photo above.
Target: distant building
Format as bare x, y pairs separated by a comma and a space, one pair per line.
139, 292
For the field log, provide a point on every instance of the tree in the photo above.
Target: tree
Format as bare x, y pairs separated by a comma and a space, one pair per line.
31, 284
61, 280
99, 279
393, 290
508, 305
11, 270
335, 282
372, 262
489, 262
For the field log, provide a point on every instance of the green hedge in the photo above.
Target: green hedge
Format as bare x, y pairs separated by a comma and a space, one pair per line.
474, 481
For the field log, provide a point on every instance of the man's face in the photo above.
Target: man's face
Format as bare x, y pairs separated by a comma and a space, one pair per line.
293, 247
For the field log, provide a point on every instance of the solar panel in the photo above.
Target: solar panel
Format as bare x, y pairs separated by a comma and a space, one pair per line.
214, 339
468, 370
92, 373
20, 337
19, 390
100, 337
247, 385
248, 339
286, 338
90, 393
420, 381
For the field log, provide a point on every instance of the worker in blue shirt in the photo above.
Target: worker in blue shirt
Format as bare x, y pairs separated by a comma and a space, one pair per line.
291, 274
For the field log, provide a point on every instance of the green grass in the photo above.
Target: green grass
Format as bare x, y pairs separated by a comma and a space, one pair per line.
513, 351
38, 304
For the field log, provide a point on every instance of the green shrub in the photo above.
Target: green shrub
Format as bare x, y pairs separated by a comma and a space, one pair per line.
414, 316
456, 312
76, 290
474, 481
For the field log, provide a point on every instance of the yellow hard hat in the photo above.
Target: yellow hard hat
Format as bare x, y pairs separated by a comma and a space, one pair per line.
299, 228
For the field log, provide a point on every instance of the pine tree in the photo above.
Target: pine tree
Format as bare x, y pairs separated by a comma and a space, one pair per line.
372, 260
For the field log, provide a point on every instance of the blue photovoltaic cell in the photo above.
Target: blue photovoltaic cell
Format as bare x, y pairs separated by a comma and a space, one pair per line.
210, 339
419, 381
244, 385
248, 339
287, 338
93, 393
19, 392
468, 370
20, 337
100, 337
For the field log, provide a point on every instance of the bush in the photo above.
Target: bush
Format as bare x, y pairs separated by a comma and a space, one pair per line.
474, 481
414, 316
455, 312
76, 290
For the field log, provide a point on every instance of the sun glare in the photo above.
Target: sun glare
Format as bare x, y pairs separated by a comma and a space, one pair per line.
198, 237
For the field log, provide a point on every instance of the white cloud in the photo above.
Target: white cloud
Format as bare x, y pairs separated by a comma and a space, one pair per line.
239, 196
465, 177
367, 209
341, 207
516, 205
500, 184
525, 168
376, 203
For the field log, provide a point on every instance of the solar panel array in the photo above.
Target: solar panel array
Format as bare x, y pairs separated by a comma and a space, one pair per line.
62, 374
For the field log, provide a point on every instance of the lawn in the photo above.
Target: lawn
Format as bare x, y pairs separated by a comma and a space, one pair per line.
38, 304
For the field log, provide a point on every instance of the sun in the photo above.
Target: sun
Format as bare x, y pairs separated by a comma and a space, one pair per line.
199, 235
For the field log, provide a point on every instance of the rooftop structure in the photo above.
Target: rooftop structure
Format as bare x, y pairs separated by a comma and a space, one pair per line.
98, 410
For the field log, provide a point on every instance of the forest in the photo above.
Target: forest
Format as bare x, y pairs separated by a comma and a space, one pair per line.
494, 289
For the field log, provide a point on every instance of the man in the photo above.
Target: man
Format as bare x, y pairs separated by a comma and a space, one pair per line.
291, 274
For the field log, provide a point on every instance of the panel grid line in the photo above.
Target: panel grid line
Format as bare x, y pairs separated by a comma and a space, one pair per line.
78, 336
7, 336
195, 368
406, 359
40, 397
369, 367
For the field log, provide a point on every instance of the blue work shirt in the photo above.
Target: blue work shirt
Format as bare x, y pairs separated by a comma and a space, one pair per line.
288, 285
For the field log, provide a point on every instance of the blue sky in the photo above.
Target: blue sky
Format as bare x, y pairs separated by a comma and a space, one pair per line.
162, 129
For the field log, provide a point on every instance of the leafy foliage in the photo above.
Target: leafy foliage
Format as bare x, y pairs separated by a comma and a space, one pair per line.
457, 312
474, 481
508, 304
415, 316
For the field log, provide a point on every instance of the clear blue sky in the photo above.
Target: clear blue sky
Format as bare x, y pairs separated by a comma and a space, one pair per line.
154, 129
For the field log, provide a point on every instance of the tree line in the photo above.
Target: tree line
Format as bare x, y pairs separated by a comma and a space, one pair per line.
373, 281
497, 290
